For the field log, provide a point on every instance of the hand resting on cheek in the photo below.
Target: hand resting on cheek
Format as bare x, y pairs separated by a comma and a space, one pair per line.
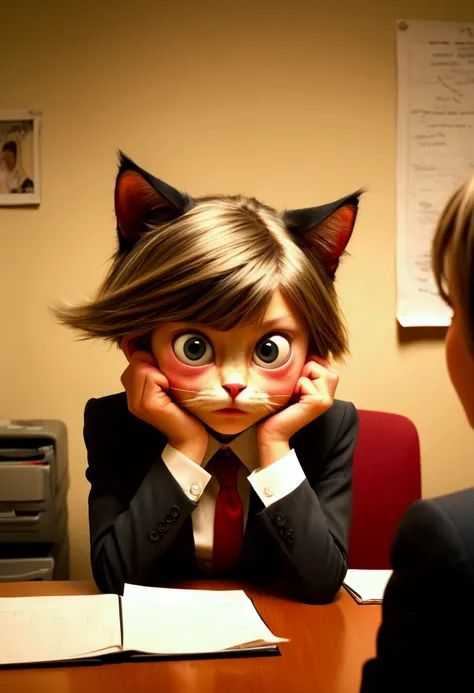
147, 398
314, 395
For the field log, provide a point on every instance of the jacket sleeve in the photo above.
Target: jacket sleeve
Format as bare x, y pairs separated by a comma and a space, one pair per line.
422, 643
130, 528
311, 524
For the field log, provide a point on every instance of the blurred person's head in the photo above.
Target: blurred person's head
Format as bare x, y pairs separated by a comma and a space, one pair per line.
9, 155
453, 265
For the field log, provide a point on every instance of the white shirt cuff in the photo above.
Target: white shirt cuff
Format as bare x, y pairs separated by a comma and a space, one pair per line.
192, 478
273, 483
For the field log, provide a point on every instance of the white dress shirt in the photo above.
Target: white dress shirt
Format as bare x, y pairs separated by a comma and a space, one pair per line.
271, 484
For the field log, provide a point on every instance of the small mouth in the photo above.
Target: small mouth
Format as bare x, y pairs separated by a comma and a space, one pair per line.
230, 412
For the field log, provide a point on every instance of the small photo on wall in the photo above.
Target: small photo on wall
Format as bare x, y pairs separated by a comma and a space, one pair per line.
19, 158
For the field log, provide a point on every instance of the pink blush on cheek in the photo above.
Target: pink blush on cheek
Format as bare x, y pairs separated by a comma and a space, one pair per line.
281, 381
181, 376
188, 381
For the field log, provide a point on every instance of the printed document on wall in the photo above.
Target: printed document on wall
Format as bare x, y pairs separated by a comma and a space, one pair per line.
435, 152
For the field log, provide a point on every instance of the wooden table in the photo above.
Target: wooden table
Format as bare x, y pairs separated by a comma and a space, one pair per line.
328, 645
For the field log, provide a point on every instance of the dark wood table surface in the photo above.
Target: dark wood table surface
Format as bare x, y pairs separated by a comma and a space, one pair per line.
328, 645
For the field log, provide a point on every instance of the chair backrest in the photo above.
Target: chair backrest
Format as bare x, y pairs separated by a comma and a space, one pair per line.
386, 481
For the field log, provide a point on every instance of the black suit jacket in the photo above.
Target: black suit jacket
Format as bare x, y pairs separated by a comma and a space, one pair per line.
140, 519
425, 642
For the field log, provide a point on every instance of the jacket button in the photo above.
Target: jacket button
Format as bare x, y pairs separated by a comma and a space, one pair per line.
169, 518
153, 536
174, 511
161, 527
290, 538
279, 519
286, 532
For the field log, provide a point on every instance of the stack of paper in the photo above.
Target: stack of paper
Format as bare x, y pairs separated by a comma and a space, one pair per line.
367, 586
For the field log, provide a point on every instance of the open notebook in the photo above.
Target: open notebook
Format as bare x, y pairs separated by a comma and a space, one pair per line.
367, 586
157, 622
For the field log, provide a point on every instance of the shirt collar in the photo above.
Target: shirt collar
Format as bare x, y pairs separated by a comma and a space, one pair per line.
245, 446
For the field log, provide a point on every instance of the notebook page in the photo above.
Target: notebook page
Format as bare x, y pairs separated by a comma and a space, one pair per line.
368, 585
172, 621
42, 629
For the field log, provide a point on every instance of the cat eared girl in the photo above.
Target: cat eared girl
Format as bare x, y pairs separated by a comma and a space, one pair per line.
143, 201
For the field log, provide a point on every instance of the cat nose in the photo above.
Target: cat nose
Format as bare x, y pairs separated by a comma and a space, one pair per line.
234, 389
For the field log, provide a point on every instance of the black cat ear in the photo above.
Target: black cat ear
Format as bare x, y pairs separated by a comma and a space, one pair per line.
142, 199
325, 231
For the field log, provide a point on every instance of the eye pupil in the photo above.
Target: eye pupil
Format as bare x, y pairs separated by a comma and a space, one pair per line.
272, 351
268, 351
194, 348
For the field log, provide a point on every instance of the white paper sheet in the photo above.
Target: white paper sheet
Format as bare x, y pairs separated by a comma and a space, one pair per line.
367, 586
435, 152
41, 629
169, 621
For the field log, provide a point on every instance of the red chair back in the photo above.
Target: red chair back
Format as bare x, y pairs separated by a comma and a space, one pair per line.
386, 481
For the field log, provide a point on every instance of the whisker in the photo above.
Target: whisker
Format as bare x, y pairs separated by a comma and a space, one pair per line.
270, 408
188, 401
288, 395
179, 389
195, 403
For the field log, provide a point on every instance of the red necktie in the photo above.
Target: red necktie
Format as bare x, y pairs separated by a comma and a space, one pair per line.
229, 514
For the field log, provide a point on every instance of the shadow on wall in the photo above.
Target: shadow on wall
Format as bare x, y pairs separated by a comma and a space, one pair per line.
407, 335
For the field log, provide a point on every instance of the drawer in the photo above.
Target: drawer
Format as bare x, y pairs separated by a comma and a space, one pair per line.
26, 569
25, 484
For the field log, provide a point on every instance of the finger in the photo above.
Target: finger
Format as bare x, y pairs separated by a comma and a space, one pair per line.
311, 392
162, 409
130, 381
154, 389
319, 359
322, 362
311, 403
130, 377
157, 378
143, 382
313, 369
153, 394
126, 377
141, 364
314, 400
143, 357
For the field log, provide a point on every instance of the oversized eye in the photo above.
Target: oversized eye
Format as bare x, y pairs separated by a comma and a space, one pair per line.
272, 351
193, 349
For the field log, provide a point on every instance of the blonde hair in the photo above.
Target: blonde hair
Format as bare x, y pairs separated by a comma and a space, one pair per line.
453, 254
218, 265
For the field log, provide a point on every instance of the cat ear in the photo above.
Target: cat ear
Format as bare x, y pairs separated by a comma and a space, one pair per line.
141, 199
325, 231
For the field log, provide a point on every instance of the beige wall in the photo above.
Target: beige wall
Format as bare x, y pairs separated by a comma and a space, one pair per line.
292, 102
